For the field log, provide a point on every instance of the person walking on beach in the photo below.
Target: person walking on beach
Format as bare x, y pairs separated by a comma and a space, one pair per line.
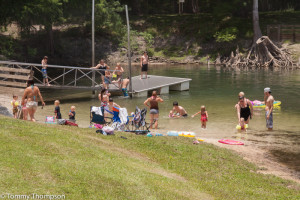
144, 64
269, 100
152, 103
44, 70
103, 67
244, 108
31, 93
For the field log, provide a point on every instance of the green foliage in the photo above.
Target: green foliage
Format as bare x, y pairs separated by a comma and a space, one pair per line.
148, 38
7, 46
32, 52
150, 52
226, 35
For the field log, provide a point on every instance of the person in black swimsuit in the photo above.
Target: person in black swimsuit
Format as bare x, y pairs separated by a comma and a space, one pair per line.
244, 109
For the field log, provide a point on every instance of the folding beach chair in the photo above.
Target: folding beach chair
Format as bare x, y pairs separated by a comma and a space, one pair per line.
119, 119
138, 123
97, 116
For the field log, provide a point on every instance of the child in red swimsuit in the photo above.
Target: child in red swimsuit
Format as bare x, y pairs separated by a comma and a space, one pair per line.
204, 116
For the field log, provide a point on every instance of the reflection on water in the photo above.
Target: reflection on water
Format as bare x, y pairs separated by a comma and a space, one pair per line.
217, 89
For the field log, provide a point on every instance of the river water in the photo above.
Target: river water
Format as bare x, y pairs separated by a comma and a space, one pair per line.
217, 89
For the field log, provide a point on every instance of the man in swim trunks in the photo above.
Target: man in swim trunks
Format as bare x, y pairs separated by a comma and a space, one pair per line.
269, 100
244, 108
177, 111
31, 92
144, 64
103, 67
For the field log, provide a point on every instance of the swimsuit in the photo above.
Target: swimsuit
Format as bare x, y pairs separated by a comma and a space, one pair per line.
153, 106
103, 68
32, 104
185, 115
125, 93
269, 122
44, 72
203, 117
144, 67
245, 112
107, 80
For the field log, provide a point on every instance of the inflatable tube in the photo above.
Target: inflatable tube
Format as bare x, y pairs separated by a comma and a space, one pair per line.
238, 127
172, 133
188, 136
154, 134
199, 139
231, 142
275, 104
185, 133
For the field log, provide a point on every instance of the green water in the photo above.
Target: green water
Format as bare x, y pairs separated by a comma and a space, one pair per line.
217, 89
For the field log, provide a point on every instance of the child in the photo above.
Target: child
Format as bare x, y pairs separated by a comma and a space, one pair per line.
44, 70
243, 126
15, 105
72, 114
177, 111
57, 109
24, 110
204, 117
118, 71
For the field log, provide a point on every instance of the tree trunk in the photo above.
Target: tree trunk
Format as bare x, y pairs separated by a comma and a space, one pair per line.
255, 18
50, 39
195, 6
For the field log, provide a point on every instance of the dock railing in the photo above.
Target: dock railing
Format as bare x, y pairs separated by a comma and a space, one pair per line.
58, 76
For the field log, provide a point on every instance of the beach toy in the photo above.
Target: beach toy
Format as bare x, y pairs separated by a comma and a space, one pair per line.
185, 133
114, 76
16, 103
201, 140
188, 136
196, 142
262, 105
50, 120
238, 127
172, 133
154, 134
231, 142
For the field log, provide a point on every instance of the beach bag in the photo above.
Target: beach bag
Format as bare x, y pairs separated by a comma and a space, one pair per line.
108, 130
61, 121
50, 120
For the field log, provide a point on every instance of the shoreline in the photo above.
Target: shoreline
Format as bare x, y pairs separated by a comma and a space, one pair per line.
265, 162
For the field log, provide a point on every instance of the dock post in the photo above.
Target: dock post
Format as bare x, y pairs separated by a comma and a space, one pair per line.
129, 52
93, 45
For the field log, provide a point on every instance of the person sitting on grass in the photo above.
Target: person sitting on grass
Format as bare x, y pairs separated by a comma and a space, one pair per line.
72, 114
177, 111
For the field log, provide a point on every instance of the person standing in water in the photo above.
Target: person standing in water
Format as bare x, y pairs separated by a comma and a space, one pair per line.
154, 111
144, 64
244, 108
44, 70
31, 93
269, 100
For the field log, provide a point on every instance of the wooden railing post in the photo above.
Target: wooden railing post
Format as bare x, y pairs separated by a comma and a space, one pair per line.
75, 77
64, 76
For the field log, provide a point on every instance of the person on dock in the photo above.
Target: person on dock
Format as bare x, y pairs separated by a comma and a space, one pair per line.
31, 93
125, 83
15, 105
103, 67
72, 114
44, 70
204, 116
119, 72
152, 103
177, 111
144, 64
57, 109
269, 100
107, 79
244, 108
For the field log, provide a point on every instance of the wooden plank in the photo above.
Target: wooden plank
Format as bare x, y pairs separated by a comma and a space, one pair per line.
18, 77
9, 69
10, 83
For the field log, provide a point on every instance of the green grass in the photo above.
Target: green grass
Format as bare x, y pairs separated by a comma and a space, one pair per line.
52, 159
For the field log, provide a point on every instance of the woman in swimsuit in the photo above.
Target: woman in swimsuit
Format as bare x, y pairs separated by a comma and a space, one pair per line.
244, 108
103, 67
154, 111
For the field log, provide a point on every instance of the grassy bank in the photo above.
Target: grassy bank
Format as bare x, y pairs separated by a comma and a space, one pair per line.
51, 159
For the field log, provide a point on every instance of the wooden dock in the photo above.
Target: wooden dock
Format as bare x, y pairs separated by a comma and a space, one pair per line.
77, 78
162, 84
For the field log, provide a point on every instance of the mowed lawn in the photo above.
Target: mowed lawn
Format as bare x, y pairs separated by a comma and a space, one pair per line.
53, 159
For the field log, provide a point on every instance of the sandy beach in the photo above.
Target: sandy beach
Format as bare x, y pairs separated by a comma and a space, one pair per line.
250, 152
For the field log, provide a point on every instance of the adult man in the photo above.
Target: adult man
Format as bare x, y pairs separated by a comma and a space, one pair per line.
103, 67
31, 92
177, 111
125, 83
269, 100
144, 64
